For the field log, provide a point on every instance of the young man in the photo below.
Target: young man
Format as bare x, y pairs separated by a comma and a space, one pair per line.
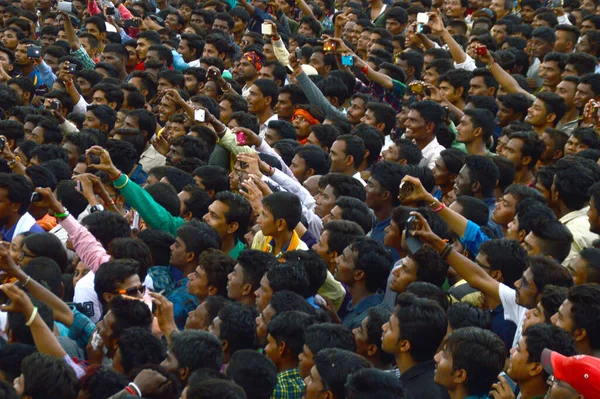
424, 265
506, 208
424, 120
524, 149
546, 111
368, 340
15, 191
585, 268
244, 280
475, 129
469, 362
323, 336
336, 236
363, 266
569, 199
548, 238
261, 97
412, 335
229, 215
554, 142
285, 342
525, 358
572, 377
527, 212
236, 328
280, 215
346, 155
579, 316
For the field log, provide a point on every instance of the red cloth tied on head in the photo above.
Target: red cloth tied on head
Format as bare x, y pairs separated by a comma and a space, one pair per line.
306, 115
254, 59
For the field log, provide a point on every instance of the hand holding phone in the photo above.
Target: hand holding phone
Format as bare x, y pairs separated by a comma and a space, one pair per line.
413, 243
348, 60
241, 138
200, 115
266, 29
34, 52
330, 46
481, 50
65, 6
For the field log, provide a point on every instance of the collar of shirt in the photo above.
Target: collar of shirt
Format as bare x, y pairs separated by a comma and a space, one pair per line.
366, 303
418, 369
574, 215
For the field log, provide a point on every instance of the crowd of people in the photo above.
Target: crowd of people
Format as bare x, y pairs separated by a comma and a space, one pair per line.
286, 199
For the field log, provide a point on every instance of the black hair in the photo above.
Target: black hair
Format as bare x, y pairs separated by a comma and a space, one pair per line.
426, 290
484, 119
548, 271
430, 111
284, 128
432, 267
132, 248
585, 300
288, 277
100, 381
422, 323
213, 178
341, 233
389, 175
105, 114
355, 147
159, 242
214, 388
283, 301
48, 377
165, 195
369, 383
18, 188
376, 318
411, 152
112, 93
138, 347
571, 183
268, 88
11, 358
313, 265
541, 336
374, 260
199, 237
553, 238
254, 372
238, 326
314, 156
289, 327
286, 206
196, 350
334, 365
343, 185
480, 353
217, 265
326, 134
530, 210
49, 246
553, 103
483, 170
355, 210
552, 297
464, 314
414, 59
112, 273
474, 209
458, 78
123, 154
50, 152
507, 256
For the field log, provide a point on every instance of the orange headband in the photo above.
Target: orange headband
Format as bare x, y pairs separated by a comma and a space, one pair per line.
254, 59
304, 113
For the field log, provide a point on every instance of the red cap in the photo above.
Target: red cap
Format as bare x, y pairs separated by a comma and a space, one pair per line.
581, 372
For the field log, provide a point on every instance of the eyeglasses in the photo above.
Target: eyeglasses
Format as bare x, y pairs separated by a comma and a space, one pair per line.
25, 255
133, 291
483, 266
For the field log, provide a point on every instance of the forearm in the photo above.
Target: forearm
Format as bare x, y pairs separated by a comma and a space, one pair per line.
44, 339
473, 274
316, 97
91, 252
71, 35
72, 92
427, 43
265, 148
281, 52
455, 221
508, 82
456, 51
380, 79
48, 77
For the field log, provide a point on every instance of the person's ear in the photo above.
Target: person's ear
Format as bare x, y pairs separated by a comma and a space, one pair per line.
113, 105
187, 216
104, 127
475, 187
212, 290
107, 297
189, 257
430, 127
404, 346
526, 160
268, 101
535, 369
478, 132
184, 373
558, 154
225, 345
452, 177
232, 227
359, 275
331, 257
521, 236
247, 290
580, 334
460, 376
349, 160
280, 224
371, 350
366, 154
550, 117
459, 91
497, 275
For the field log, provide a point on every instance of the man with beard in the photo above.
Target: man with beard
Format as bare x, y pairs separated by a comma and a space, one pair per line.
587, 89
567, 89
250, 63
26, 65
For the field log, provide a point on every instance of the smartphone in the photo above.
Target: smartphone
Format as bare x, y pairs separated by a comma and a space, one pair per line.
509, 381
413, 243
329, 46
213, 74
200, 115
65, 6
110, 11
422, 18
405, 190
481, 50
132, 23
419, 29
557, 3
299, 53
34, 51
241, 138
348, 60
266, 29
55, 105
417, 88
72, 68
36, 197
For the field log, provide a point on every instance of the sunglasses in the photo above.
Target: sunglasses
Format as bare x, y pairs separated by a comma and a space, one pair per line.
133, 291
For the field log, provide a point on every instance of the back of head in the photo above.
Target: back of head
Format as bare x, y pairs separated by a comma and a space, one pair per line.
106, 226
368, 383
49, 246
334, 365
46, 272
138, 346
49, 378
215, 389
284, 206
327, 335
506, 256
11, 358
254, 372
289, 327
374, 259
553, 238
474, 209
422, 323
483, 170
464, 314
480, 353
196, 349
585, 301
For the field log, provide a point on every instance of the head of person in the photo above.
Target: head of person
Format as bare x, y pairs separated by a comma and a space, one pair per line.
235, 327
528, 211
572, 377
585, 267
477, 177
281, 277
281, 213
551, 299
346, 153
310, 160
245, 278
365, 262
285, 339
367, 382
193, 350
503, 259
383, 185
15, 193
319, 337
43, 376
547, 110
254, 372
506, 208
137, 346
424, 265
210, 276
476, 124
424, 120
368, 337
549, 238
540, 271
335, 237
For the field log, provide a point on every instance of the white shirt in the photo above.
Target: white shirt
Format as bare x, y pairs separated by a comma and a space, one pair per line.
430, 153
512, 311
358, 177
579, 225
264, 126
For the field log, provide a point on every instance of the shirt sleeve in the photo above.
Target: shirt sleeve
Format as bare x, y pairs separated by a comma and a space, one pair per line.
48, 77
469, 64
229, 142
473, 237
153, 213
316, 97
178, 62
265, 148
82, 56
82, 328
79, 372
508, 297
281, 52
91, 252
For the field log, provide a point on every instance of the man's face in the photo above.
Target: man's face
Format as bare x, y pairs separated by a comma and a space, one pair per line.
142, 49
431, 76
537, 114
393, 26
505, 210
505, 115
526, 291
175, 155
462, 183
305, 30
564, 317
415, 126
550, 73
478, 87
266, 72
113, 59
263, 294
574, 146
298, 168
172, 22
563, 43
257, 103
344, 266
216, 218
512, 151
534, 316
527, 14
10, 39
186, 51
518, 368
91, 121
93, 30
317, 61
453, 94
325, 202
497, 7
369, 118
499, 32
170, 363
21, 58
539, 47
404, 275
37, 135
374, 193
453, 9
356, 110
246, 71
593, 217
566, 91
578, 268
198, 284
284, 107
337, 154
236, 283
549, 151
466, 130
222, 25
583, 95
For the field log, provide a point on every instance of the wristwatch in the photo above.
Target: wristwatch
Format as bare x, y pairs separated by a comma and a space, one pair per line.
97, 208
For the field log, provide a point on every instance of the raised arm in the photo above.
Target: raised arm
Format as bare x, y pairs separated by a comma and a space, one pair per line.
504, 79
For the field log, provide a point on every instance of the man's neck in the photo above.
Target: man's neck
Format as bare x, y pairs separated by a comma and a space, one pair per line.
524, 176
422, 143
476, 147
123, 73
405, 362
460, 392
249, 300
287, 364
11, 220
561, 210
281, 240
540, 128
265, 115
571, 115
533, 388
460, 104
187, 268
358, 292
383, 212
228, 243
26, 70
237, 36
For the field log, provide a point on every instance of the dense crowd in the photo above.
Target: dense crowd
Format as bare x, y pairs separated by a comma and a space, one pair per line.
286, 199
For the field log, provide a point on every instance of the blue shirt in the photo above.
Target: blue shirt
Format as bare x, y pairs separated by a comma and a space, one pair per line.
491, 203
473, 238
8, 235
378, 233
355, 314
139, 175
